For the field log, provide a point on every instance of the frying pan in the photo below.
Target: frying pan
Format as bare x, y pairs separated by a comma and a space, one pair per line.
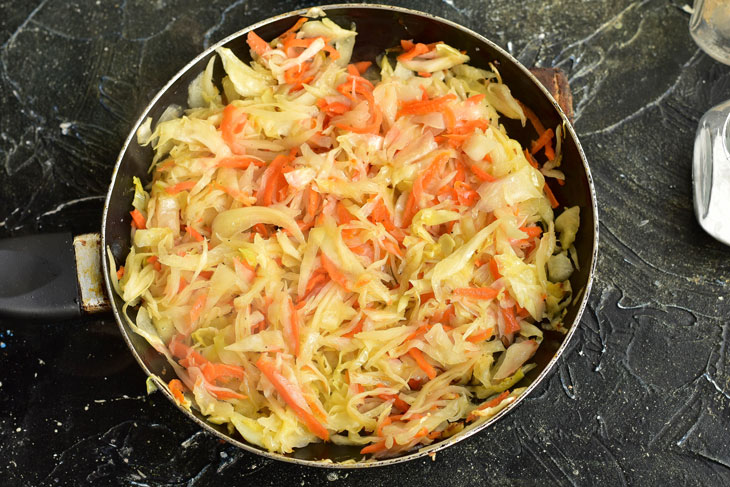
28, 263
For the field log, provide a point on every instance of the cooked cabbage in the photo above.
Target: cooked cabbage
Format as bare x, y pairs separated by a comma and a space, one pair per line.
330, 259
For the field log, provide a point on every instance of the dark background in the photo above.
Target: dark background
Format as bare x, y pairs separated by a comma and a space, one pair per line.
642, 396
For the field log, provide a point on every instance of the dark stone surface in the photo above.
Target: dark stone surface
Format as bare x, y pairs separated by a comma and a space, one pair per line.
642, 397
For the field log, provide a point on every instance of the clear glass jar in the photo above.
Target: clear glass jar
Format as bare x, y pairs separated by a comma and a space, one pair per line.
710, 28
711, 172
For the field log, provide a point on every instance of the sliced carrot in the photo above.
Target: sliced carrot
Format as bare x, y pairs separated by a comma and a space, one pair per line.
291, 30
494, 269
293, 334
407, 45
154, 260
214, 371
343, 215
334, 273
257, 44
312, 202
449, 118
539, 127
177, 188
489, 404
362, 66
239, 162
293, 396
197, 307
195, 234
530, 159
138, 219
544, 140
422, 363
120, 272
481, 336
482, 174
510, 321
390, 247
551, 197
465, 194
417, 50
166, 165
221, 393
176, 388
397, 401
420, 107
477, 292
474, 99
374, 447
234, 119
532, 231
357, 329
273, 176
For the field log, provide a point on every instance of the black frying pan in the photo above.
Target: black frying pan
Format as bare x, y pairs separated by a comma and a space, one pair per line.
378, 27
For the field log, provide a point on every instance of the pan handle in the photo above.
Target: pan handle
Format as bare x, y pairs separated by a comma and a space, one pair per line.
51, 277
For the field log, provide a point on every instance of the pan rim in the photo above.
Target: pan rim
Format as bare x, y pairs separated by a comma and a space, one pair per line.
435, 447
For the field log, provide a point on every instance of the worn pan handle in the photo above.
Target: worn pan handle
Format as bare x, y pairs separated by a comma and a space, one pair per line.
51, 277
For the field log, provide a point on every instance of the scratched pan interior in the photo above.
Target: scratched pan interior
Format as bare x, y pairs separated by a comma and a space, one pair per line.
378, 27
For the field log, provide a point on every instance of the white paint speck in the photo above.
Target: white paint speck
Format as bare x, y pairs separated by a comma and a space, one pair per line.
643, 222
64, 127
18, 429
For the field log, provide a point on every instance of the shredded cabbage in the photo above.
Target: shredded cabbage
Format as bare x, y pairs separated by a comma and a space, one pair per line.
327, 258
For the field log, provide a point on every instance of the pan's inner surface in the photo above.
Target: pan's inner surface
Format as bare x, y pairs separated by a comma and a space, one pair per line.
378, 28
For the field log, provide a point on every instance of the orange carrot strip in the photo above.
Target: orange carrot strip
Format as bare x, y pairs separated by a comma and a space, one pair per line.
422, 363
226, 394
407, 45
374, 448
544, 139
489, 404
465, 194
397, 401
197, 307
539, 127
257, 44
214, 371
551, 197
494, 269
334, 273
138, 219
530, 159
532, 231
362, 66
291, 30
390, 247
238, 162
475, 98
120, 272
293, 396
417, 50
449, 118
356, 330
154, 260
194, 233
482, 174
419, 107
481, 336
312, 202
476, 292
176, 388
232, 123
176, 188
166, 165
293, 329
343, 215
510, 321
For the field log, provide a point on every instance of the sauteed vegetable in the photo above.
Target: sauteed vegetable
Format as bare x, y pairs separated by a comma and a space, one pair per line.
347, 252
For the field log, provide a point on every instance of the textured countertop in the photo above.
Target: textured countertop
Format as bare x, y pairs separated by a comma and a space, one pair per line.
641, 398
